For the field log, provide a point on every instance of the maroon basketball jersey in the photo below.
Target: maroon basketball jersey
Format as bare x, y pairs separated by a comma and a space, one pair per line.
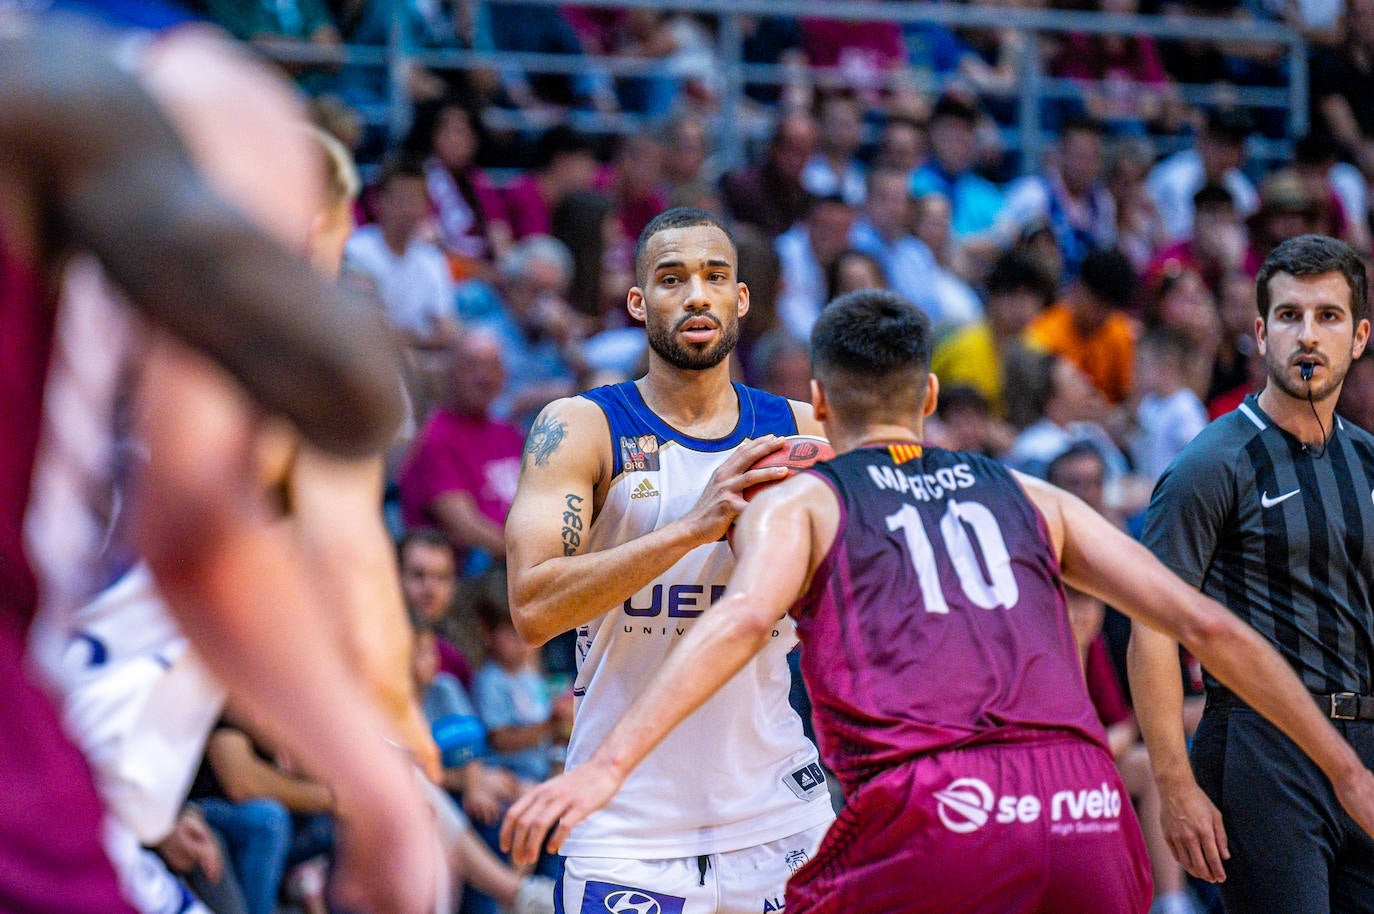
937, 619
26, 328
48, 864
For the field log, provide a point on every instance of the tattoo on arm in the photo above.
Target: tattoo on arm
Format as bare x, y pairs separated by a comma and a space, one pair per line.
572, 524
543, 440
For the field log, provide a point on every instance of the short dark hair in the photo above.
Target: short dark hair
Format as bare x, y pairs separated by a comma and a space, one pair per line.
486, 598
1109, 275
1083, 124
676, 218
1213, 194
400, 166
1313, 255
959, 397
867, 347
1229, 125
956, 108
1016, 272
1073, 452
560, 141
1168, 341
1029, 375
426, 535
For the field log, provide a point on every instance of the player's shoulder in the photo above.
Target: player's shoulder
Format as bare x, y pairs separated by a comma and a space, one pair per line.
566, 426
1223, 440
774, 414
578, 414
1357, 434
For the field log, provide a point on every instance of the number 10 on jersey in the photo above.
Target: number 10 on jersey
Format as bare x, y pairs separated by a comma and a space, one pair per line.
996, 588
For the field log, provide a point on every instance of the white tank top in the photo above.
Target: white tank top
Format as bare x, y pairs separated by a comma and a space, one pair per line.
739, 772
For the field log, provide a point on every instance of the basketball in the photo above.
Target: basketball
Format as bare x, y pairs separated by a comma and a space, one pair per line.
800, 452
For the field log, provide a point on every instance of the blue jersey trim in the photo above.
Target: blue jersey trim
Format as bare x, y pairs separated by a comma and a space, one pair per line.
760, 414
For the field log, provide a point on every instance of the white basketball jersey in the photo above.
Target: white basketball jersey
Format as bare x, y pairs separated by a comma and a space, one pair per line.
739, 771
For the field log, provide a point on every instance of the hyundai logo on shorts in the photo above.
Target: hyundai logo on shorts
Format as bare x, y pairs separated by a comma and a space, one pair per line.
631, 901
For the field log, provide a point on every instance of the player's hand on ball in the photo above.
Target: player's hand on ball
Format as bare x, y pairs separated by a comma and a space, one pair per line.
723, 498
559, 805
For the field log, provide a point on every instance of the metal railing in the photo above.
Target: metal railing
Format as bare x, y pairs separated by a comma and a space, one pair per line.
1035, 88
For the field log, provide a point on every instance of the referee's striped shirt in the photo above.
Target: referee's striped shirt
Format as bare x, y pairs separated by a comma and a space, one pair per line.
1277, 532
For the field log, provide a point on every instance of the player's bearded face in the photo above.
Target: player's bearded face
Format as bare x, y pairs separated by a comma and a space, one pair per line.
668, 341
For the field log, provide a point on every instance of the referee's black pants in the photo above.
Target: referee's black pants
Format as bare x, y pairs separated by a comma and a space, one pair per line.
1294, 850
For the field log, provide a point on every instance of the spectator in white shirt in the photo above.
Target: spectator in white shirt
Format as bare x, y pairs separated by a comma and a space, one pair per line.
412, 275
806, 252
1216, 159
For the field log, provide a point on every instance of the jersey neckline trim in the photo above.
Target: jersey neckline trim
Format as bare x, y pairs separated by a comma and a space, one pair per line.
743, 425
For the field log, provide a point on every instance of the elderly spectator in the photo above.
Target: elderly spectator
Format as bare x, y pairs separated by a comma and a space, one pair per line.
539, 332
460, 473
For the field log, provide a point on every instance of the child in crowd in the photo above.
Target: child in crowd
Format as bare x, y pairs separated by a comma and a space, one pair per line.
1169, 413
512, 699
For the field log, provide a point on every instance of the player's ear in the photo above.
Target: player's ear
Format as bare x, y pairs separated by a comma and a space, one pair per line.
1261, 336
743, 307
932, 394
819, 405
1361, 339
634, 303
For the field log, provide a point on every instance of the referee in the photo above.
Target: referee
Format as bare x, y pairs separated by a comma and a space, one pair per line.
1270, 511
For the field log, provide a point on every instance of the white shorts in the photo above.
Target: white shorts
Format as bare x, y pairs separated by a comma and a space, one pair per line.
747, 881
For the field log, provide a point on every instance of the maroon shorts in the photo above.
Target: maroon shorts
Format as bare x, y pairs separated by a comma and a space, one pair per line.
51, 857
1028, 828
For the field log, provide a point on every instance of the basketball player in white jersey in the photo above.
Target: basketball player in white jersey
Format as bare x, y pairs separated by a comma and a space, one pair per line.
618, 531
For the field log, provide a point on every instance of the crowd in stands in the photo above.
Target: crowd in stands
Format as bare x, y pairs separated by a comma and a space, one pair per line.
1093, 312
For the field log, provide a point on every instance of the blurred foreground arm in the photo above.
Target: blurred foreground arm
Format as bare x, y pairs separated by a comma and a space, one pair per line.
91, 160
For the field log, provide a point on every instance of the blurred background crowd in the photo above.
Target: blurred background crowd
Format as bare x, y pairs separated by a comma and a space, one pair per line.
1079, 196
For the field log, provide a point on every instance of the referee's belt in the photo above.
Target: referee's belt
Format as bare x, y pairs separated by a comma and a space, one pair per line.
1346, 706
1337, 705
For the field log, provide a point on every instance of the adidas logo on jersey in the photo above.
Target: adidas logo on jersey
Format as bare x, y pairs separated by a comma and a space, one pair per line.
645, 489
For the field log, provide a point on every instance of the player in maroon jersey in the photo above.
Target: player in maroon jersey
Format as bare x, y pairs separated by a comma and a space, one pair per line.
937, 651
88, 164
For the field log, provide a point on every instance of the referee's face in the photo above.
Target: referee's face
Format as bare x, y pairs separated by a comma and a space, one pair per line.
1310, 321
